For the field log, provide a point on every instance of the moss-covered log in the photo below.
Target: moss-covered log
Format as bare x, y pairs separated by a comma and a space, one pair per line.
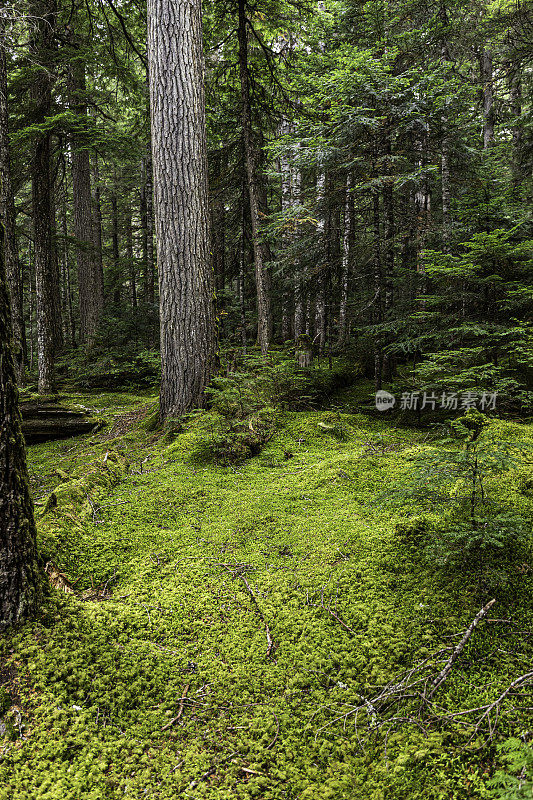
43, 422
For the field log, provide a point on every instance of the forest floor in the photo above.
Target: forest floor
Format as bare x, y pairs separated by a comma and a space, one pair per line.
229, 628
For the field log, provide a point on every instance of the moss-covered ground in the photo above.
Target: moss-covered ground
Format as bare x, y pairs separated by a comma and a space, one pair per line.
153, 679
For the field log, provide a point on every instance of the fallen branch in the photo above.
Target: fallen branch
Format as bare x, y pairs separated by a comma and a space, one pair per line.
270, 642
180, 709
443, 674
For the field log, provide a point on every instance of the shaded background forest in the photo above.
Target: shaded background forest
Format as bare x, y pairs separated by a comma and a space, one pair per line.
386, 147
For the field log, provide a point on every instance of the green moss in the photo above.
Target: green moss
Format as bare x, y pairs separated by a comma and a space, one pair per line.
101, 679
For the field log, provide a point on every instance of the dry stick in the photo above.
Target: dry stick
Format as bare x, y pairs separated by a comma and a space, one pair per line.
180, 708
275, 739
443, 674
270, 641
528, 676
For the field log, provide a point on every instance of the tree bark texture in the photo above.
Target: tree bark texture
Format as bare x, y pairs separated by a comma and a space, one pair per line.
347, 244
20, 575
181, 202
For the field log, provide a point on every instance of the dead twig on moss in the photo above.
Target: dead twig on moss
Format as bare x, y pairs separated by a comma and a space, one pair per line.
443, 674
237, 573
180, 708
329, 611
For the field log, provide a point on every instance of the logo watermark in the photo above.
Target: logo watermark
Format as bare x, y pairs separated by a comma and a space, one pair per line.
447, 401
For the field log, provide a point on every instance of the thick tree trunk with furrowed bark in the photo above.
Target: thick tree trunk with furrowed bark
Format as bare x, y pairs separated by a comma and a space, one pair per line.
180, 202
20, 575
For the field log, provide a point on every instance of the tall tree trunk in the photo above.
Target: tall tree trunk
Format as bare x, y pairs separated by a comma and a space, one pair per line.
89, 286
21, 579
262, 276
43, 12
8, 219
347, 243
488, 100
177, 104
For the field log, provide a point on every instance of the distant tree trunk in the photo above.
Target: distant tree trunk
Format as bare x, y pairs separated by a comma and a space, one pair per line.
347, 243
130, 256
89, 285
21, 578
8, 219
299, 291
445, 183
488, 100
97, 229
175, 53
320, 302
68, 312
287, 202
57, 314
262, 275
378, 290
242, 274
43, 12
115, 251
515, 86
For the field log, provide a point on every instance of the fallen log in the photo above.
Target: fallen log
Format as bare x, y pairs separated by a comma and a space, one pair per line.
44, 422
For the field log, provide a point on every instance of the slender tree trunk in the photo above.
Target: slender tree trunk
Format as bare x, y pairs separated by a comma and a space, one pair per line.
68, 312
242, 274
56, 278
115, 251
347, 243
97, 231
8, 219
446, 191
287, 202
320, 301
378, 290
175, 52
21, 578
299, 288
516, 110
262, 276
130, 256
43, 12
488, 100
89, 285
